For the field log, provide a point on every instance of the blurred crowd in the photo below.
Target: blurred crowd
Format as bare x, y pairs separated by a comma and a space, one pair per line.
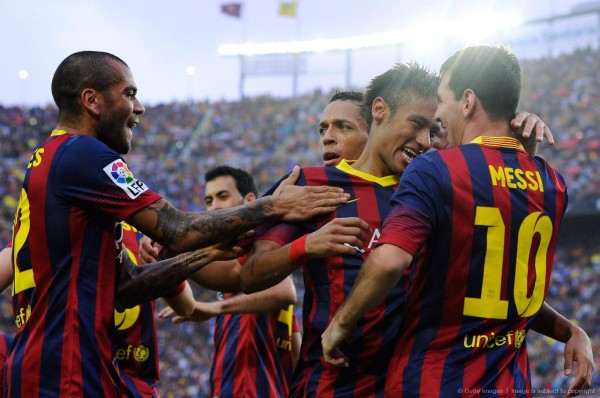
176, 143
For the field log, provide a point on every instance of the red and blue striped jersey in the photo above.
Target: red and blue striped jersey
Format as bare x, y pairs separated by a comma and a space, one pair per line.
481, 221
6, 341
253, 353
328, 282
134, 338
75, 193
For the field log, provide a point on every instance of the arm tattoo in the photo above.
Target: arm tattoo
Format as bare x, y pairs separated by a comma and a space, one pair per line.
142, 283
210, 227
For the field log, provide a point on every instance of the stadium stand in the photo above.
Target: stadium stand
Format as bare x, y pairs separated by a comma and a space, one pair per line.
175, 143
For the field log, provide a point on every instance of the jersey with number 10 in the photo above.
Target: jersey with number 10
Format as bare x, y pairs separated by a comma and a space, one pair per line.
75, 193
481, 221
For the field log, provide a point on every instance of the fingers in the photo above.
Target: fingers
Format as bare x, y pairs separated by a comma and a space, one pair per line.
292, 178
148, 253
339, 362
165, 312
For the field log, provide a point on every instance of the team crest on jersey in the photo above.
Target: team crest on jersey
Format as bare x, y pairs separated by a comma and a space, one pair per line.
120, 174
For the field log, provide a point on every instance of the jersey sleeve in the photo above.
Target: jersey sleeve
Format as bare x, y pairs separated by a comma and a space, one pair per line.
91, 175
414, 207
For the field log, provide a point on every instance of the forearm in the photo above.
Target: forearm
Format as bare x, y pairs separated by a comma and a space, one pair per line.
376, 279
552, 324
266, 268
263, 301
183, 303
180, 232
143, 283
220, 276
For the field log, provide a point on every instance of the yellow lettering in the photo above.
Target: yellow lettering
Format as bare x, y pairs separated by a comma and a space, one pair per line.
128, 227
521, 180
497, 175
492, 341
509, 177
36, 158
539, 177
481, 337
533, 185
467, 345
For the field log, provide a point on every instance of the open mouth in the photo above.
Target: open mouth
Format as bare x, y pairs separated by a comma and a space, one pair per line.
330, 158
409, 154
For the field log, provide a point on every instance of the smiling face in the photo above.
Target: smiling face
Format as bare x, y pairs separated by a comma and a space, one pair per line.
120, 112
406, 134
343, 132
449, 112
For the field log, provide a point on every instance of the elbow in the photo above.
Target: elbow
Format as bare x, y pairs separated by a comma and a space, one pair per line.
246, 284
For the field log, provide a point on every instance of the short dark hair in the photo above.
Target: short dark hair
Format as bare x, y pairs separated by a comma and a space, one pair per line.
399, 85
347, 96
492, 72
243, 181
81, 70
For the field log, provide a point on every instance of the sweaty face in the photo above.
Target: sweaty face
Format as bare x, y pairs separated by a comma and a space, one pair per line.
406, 134
343, 132
221, 193
119, 112
449, 112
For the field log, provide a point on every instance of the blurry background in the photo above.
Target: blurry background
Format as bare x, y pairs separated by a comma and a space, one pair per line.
260, 112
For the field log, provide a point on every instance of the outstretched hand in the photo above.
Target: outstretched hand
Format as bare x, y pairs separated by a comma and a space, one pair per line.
203, 311
295, 203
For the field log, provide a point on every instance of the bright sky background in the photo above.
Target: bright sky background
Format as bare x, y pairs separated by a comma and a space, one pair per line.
159, 39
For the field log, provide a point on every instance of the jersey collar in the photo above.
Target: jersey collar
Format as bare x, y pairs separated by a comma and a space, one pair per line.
345, 166
506, 142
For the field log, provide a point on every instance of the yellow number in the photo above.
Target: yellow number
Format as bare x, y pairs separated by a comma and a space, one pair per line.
23, 280
540, 224
490, 304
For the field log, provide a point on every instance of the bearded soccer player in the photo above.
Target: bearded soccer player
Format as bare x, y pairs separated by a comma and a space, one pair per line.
68, 267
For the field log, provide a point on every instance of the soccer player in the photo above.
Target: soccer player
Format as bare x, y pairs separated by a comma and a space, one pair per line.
343, 133
401, 106
134, 336
77, 189
257, 336
477, 224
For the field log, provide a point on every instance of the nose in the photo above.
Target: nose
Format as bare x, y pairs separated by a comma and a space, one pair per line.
138, 108
424, 139
329, 137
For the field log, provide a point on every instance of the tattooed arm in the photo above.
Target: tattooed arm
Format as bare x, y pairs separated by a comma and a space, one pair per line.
179, 231
141, 283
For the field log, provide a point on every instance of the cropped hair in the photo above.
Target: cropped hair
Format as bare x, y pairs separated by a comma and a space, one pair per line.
243, 181
399, 85
347, 96
494, 75
81, 70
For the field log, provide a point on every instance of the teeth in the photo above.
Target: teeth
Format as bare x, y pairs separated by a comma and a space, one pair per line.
409, 153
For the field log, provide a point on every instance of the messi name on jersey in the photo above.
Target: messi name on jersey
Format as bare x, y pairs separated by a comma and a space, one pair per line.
120, 174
